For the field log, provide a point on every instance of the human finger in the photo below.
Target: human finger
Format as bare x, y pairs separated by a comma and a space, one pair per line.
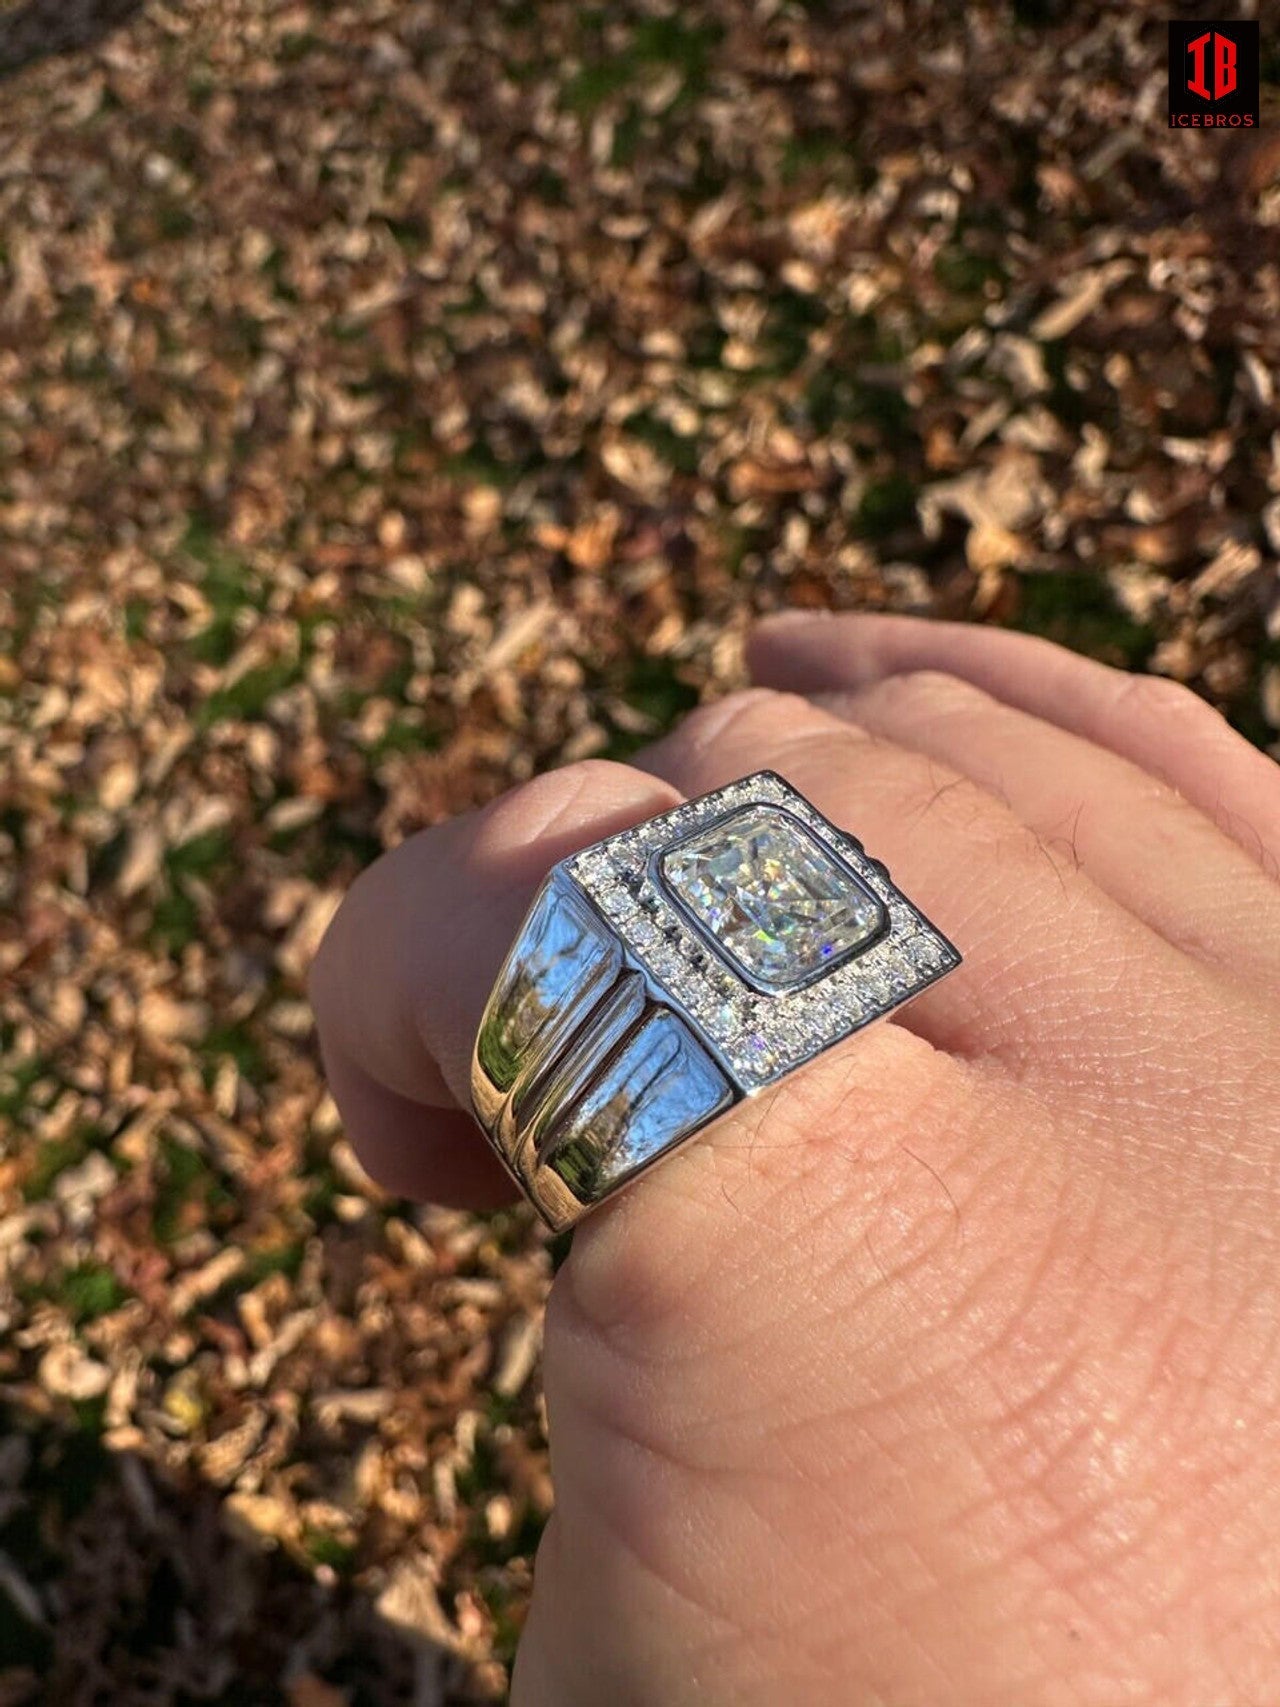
412, 1149
400, 981
1155, 723
1043, 944
1135, 836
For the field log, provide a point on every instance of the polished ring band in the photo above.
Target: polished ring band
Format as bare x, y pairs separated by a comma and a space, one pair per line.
669, 971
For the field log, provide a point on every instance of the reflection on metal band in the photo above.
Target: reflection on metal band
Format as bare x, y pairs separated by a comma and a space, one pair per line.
562, 961
534, 1111
657, 1088
582, 1075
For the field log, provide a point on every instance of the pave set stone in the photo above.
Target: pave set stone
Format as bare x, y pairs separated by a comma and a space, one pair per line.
752, 886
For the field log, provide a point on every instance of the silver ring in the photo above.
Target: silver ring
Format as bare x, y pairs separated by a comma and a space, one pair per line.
669, 971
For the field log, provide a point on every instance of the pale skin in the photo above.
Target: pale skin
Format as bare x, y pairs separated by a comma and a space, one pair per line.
947, 1370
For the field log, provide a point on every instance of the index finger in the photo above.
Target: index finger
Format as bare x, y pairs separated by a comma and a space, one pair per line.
400, 981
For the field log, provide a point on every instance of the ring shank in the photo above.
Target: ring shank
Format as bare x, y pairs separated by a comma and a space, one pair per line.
582, 1073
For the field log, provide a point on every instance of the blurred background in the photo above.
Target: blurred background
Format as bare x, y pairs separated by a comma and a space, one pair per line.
399, 398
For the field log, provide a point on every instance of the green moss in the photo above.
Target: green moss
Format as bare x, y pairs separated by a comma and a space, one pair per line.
201, 857
412, 234
228, 584
507, 1624
404, 735
322, 1192
215, 640
188, 1192
628, 134
549, 186
886, 505
273, 268
668, 39
480, 464
175, 921
348, 843
53, 1157
593, 85
395, 679
655, 687
705, 344
965, 273
174, 221
808, 149
676, 451
283, 1259
1098, 405
792, 318
89, 1291
16, 1080
837, 396
1078, 609
327, 1549
494, 1552
239, 1042
246, 700
481, 1474
297, 45
654, 43
91, 1414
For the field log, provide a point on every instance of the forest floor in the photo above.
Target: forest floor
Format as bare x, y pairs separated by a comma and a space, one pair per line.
398, 398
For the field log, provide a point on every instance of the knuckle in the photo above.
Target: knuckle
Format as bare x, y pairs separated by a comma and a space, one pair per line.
587, 788
1158, 698
929, 692
583, 779
742, 716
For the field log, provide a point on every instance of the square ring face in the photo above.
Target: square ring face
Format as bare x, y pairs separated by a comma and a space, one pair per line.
765, 924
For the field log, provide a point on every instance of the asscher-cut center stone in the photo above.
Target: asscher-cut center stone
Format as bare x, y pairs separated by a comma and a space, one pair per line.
772, 896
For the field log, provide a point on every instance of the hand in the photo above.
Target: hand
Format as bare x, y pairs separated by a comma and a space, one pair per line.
947, 1371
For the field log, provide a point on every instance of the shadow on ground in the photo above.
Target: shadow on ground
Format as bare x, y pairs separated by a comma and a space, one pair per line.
41, 28
156, 1600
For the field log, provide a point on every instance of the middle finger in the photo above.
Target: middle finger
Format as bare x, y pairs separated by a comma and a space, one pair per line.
1042, 941
1152, 851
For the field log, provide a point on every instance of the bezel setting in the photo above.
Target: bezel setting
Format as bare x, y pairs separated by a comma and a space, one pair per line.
758, 1032
658, 867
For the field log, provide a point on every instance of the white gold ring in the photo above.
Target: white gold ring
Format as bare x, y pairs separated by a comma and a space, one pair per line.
669, 971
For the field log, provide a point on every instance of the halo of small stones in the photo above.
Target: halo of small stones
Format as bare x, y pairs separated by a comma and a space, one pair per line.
760, 1037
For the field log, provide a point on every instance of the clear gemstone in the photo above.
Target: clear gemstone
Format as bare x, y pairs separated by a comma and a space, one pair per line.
772, 896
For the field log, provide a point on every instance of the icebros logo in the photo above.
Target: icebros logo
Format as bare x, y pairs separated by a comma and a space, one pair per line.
1213, 73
